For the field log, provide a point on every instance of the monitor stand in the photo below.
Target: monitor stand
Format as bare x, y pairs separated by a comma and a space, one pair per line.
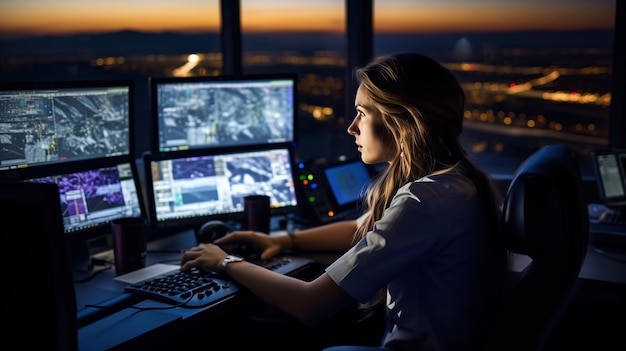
81, 254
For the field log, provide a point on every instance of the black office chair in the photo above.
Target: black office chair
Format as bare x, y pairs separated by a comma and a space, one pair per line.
39, 306
545, 218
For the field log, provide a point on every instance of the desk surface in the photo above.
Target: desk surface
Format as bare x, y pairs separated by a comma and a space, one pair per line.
601, 264
131, 327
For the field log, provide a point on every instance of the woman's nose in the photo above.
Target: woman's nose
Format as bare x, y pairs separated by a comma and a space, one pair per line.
352, 129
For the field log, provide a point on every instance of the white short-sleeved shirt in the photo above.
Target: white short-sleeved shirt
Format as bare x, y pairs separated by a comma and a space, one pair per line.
428, 252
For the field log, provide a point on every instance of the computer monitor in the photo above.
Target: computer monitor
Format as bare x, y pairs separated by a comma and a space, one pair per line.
610, 169
186, 190
333, 191
49, 123
347, 182
79, 136
212, 112
93, 195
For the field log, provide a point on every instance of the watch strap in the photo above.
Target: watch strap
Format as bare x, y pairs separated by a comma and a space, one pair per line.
229, 259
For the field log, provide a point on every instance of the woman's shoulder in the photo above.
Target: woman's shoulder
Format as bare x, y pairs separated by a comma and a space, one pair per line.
437, 179
437, 184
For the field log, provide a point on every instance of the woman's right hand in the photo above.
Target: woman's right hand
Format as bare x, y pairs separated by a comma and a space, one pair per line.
267, 245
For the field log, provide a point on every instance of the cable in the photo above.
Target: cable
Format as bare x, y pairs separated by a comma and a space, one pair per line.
170, 306
92, 313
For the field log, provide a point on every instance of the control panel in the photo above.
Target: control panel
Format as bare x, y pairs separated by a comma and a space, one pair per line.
334, 191
318, 206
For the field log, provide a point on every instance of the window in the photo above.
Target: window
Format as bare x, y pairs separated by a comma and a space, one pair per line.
534, 72
85, 40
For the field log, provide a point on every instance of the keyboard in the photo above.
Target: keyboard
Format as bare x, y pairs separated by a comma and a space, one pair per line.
193, 288
198, 288
283, 264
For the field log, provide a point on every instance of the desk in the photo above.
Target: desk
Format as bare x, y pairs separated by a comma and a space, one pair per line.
130, 329
605, 264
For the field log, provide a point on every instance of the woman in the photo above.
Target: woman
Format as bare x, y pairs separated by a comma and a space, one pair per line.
428, 238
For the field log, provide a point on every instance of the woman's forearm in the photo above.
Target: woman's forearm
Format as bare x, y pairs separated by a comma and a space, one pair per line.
309, 302
329, 237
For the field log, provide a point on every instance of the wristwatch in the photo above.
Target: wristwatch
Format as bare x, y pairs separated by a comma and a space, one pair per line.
229, 259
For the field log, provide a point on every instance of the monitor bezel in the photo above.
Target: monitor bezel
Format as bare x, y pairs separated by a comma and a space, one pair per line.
154, 83
176, 225
27, 171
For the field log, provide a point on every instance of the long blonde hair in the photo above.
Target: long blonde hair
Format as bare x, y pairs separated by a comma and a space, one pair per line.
422, 107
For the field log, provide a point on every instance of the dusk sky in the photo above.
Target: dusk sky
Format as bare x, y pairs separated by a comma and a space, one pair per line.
35, 17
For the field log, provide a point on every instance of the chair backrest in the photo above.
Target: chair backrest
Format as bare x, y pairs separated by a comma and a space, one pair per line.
40, 301
545, 218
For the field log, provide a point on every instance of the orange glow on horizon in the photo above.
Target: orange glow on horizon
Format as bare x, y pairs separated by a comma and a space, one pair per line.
30, 17
268, 16
51, 18
432, 18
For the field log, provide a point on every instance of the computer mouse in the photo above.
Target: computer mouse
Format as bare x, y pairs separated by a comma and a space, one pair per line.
211, 230
214, 229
